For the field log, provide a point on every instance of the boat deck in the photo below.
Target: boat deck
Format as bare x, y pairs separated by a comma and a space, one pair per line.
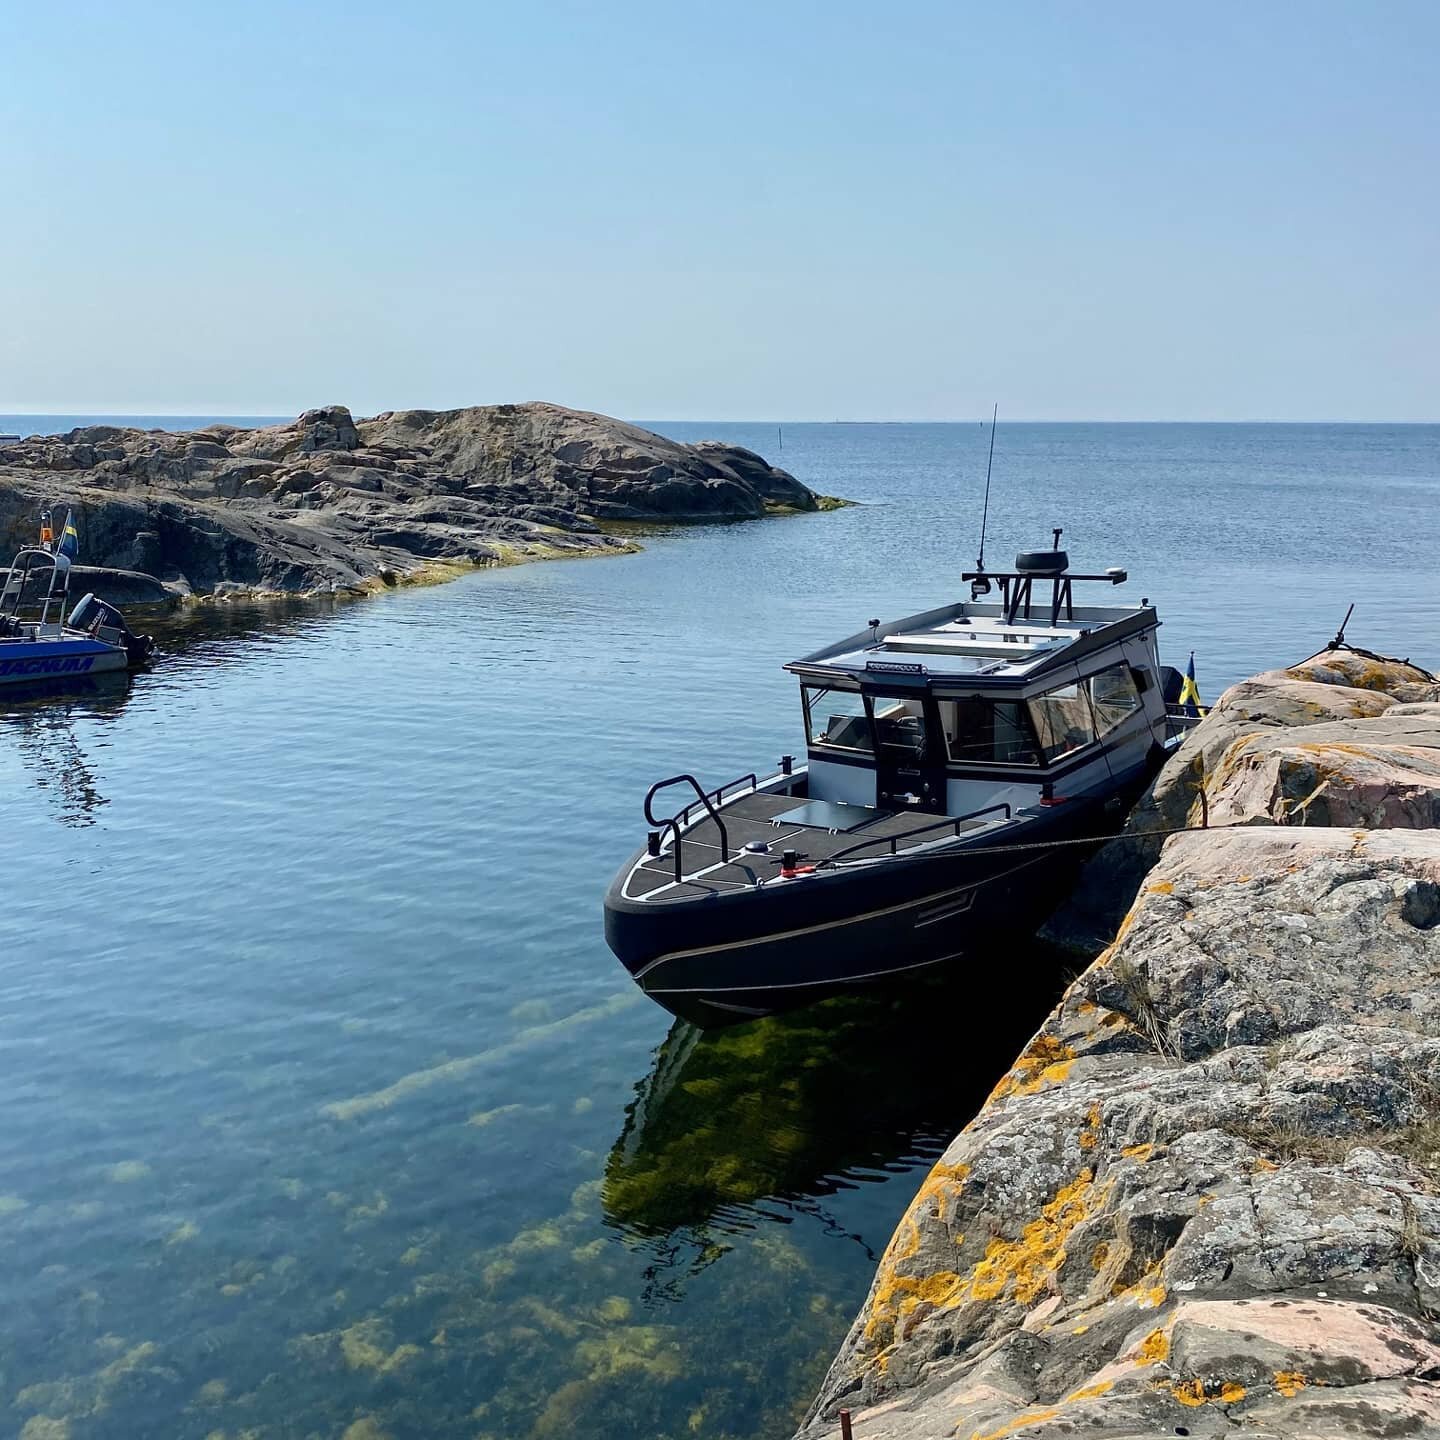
764, 819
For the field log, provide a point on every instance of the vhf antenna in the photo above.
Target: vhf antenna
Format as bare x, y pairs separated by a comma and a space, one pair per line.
989, 464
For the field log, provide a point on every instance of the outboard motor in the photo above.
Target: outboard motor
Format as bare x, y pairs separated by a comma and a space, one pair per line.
95, 615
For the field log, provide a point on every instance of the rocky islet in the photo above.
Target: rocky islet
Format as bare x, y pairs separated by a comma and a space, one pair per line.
328, 503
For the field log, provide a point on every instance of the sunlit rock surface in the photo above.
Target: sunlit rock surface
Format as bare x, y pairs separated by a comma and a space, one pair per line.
326, 502
1344, 738
1206, 1198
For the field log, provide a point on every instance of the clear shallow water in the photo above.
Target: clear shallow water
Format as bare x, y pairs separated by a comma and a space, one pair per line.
326, 1104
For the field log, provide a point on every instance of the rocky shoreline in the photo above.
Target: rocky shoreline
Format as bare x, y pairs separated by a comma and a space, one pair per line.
1206, 1198
327, 503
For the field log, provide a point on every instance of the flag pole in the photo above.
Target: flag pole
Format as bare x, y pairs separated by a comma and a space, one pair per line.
59, 555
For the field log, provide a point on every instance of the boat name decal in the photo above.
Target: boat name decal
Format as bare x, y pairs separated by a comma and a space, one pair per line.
68, 666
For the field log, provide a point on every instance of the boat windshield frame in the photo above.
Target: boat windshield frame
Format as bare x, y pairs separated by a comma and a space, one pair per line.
1039, 745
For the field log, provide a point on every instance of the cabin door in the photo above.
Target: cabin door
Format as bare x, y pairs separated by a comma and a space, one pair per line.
909, 755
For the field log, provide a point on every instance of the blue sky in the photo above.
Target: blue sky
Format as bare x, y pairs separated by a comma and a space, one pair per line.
1123, 211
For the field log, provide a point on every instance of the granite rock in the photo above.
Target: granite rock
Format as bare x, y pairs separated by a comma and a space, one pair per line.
1344, 738
1206, 1199
326, 502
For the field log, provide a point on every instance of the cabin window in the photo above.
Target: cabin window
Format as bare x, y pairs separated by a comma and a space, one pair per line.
988, 732
837, 718
1113, 697
900, 724
1063, 723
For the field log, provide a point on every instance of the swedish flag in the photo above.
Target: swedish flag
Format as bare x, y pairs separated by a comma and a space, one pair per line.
1189, 700
69, 546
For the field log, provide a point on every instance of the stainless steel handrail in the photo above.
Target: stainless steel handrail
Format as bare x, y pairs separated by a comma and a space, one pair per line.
955, 821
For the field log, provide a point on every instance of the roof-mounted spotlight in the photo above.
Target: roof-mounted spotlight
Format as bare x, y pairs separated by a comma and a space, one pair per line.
1116, 576
979, 586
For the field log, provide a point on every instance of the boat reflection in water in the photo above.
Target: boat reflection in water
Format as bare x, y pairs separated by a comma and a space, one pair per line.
39, 719
770, 1122
42, 721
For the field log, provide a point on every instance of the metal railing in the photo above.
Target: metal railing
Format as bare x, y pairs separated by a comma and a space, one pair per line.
717, 794
950, 822
707, 798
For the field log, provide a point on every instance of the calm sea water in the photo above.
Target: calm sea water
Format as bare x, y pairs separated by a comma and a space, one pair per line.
328, 1112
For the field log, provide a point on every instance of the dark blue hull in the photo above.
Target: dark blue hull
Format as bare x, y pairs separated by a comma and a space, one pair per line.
731, 957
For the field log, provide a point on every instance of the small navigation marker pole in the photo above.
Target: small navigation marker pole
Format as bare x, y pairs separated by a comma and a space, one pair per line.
1338, 643
780, 436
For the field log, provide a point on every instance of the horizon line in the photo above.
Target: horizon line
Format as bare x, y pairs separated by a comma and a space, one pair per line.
237, 414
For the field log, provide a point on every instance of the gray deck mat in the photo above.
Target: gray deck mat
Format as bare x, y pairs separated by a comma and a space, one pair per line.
749, 819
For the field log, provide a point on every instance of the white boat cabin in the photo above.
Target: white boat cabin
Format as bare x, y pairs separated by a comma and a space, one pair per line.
1023, 701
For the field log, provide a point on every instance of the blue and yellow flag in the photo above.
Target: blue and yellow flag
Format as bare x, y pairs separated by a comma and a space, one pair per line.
69, 546
1189, 700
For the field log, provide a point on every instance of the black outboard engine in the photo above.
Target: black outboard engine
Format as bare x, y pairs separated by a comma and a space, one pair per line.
94, 615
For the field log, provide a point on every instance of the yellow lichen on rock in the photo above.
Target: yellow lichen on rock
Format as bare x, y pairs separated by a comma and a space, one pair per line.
1290, 1383
1189, 1392
1020, 1422
1022, 1268
1024, 1265
1047, 1061
1154, 1348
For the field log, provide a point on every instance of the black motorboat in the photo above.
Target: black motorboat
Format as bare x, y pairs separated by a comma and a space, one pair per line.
948, 756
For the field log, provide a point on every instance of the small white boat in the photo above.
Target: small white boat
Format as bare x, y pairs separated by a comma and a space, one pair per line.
38, 641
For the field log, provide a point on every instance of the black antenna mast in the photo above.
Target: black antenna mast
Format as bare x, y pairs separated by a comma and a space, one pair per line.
985, 513
1338, 643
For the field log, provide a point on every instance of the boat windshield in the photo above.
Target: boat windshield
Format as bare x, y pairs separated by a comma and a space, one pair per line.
837, 718
900, 724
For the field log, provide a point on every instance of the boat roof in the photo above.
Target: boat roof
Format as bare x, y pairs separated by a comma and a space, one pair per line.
974, 645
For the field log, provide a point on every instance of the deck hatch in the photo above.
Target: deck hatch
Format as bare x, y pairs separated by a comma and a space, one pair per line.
831, 815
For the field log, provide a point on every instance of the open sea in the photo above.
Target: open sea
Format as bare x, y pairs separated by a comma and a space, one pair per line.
327, 1112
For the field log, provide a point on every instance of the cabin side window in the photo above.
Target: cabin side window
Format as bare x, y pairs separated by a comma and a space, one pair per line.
988, 732
1063, 722
836, 718
1113, 697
